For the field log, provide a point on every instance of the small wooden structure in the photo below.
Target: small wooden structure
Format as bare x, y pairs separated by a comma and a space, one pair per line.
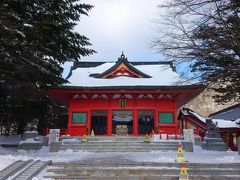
121, 130
229, 129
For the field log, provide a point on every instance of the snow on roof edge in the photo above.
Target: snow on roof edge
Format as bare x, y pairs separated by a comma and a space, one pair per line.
221, 123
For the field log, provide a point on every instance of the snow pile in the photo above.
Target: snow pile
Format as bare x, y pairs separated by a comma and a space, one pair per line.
31, 140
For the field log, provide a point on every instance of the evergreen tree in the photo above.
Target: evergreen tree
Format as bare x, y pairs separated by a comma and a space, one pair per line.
36, 38
205, 33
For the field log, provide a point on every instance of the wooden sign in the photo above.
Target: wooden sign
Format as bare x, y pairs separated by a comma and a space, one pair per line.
122, 103
188, 135
53, 135
121, 130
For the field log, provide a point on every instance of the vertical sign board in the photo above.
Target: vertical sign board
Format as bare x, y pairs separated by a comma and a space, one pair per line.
188, 135
53, 135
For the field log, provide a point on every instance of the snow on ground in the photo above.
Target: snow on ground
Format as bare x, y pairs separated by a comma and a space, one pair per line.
199, 155
8, 156
43, 155
6, 160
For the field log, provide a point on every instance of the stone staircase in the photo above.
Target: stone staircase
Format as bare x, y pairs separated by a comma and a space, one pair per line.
141, 171
117, 144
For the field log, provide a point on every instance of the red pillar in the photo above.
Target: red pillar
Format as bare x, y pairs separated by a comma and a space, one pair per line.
135, 116
109, 123
109, 117
135, 123
69, 120
230, 138
186, 124
182, 125
88, 123
156, 122
69, 116
175, 118
175, 123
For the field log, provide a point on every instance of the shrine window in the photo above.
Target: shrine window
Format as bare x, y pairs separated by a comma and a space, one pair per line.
165, 118
79, 118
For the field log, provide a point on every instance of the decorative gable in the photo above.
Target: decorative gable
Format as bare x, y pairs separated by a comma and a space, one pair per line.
122, 68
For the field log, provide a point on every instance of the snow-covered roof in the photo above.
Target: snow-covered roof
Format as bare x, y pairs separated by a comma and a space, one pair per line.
221, 123
230, 113
160, 75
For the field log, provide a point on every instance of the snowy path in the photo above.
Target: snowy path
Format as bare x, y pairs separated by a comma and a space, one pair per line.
199, 156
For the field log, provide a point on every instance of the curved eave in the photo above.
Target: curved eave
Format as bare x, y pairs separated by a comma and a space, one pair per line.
130, 87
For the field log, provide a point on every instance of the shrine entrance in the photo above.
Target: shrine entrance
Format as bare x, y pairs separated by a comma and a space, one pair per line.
145, 122
99, 122
122, 122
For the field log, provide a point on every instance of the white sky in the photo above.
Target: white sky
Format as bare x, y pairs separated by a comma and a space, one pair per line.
116, 25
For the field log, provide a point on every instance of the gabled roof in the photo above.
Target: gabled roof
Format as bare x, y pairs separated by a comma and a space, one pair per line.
122, 67
221, 123
125, 74
93, 64
230, 113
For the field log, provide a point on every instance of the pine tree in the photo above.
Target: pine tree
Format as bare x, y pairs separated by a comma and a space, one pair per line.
36, 38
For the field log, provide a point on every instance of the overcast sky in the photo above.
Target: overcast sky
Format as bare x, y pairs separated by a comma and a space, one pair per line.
114, 26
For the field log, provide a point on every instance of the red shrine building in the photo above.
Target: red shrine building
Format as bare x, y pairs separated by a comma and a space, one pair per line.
142, 96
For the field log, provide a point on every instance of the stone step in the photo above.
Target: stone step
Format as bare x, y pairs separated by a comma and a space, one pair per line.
112, 138
118, 149
118, 146
105, 147
143, 177
115, 138
93, 163
143, 171
136, 147
125, 146
122, 143
111, 177
113, 150
32, 170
